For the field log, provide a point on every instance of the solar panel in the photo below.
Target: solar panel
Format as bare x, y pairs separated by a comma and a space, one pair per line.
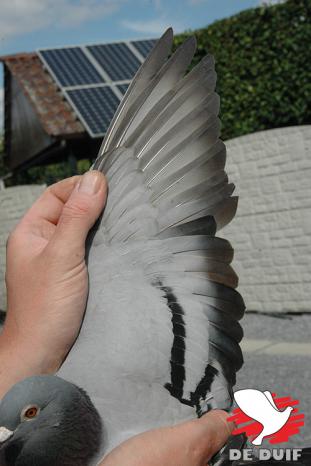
94, 78
71, 67
96, 106
123, 88
144, 46
116, 59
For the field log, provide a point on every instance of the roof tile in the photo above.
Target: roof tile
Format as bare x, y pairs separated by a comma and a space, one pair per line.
57, 117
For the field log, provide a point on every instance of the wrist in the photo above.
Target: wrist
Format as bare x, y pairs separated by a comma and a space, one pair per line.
12, 369
20, 359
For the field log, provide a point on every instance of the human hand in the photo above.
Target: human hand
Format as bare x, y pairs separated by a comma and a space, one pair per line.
192, 443
47, 281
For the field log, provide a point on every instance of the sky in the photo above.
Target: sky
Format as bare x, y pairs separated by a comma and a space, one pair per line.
26, 25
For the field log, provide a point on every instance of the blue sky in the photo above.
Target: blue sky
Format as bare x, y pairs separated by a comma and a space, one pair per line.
26, 25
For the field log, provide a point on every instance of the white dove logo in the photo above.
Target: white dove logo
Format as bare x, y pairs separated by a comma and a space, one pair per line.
260, 406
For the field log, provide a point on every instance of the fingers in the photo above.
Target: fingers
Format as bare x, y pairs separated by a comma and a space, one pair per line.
50, 204
79, 213
208, 434
190, 443
214, 431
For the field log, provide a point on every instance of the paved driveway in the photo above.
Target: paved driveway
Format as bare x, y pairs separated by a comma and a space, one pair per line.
277, 354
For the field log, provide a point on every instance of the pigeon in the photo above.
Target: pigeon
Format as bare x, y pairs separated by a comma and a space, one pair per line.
260, 406
159, 342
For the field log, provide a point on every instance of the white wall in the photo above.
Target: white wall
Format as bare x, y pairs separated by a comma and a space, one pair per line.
13, 204
271, 233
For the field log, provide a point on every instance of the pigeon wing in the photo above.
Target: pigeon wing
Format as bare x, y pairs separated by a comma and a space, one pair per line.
164, 162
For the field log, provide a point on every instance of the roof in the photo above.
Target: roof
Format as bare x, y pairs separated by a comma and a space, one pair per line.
55, 114
59, 102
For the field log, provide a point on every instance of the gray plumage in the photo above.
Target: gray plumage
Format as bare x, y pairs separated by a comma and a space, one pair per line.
159, 341
66, 430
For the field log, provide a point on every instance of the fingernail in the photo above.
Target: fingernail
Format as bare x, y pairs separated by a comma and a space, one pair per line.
90, 183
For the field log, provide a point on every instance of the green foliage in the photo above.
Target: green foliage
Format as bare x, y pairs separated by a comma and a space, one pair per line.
263, 66
264, 70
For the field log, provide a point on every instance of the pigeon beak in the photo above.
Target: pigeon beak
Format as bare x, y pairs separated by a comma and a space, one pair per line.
5, 434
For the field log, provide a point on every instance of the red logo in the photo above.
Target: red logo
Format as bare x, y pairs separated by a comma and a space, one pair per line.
259, 418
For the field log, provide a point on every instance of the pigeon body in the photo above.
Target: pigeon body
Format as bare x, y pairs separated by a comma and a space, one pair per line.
159, 340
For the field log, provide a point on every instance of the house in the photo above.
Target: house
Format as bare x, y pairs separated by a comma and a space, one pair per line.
58, 102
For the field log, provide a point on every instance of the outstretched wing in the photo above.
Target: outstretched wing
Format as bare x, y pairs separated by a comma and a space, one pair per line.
165, 163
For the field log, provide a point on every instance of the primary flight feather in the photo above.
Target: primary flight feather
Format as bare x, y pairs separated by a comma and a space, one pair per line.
160, 337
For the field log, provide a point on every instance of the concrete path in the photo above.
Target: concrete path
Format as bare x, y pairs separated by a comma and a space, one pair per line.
277, 354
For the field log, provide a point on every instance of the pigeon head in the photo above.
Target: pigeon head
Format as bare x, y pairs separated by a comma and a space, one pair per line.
48, 421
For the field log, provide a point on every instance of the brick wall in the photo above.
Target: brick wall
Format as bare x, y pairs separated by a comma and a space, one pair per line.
271, 233
13, 204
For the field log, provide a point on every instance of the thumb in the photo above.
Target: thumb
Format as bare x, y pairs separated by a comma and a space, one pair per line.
208, 434
80, 212
216, 423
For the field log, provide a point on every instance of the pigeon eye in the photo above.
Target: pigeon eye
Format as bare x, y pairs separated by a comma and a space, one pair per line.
29, 412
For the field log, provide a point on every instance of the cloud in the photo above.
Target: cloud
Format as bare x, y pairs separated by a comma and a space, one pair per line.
1, 109
152, 27
22, 16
